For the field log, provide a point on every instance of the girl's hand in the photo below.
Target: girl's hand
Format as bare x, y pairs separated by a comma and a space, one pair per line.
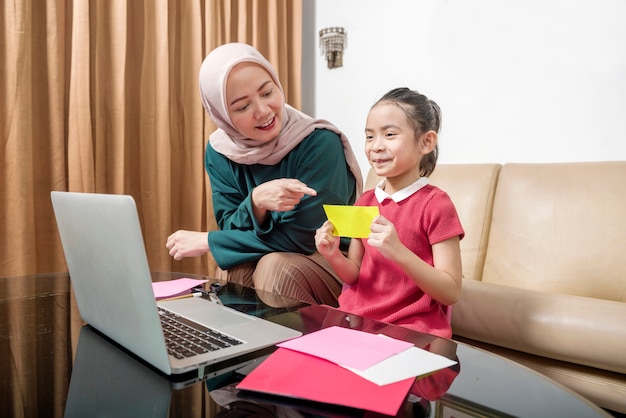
280, 195
384, 237
326, 243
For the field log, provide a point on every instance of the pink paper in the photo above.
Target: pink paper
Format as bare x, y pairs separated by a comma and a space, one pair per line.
301, 376
176, 287
347, 347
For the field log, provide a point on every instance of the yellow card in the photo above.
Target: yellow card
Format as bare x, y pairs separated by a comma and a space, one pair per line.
351, 221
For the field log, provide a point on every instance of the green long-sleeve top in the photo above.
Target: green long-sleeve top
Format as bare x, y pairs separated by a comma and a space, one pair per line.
318, 161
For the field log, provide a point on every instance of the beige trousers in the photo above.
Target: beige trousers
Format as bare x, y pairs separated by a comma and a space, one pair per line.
305, 278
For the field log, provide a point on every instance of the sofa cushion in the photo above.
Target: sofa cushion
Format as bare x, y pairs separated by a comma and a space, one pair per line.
569, 328
560, 228
471, 188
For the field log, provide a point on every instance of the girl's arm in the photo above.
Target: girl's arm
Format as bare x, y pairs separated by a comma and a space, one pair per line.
443, 281
347, 268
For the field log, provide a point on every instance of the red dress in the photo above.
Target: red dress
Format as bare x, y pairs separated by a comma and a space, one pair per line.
384, 291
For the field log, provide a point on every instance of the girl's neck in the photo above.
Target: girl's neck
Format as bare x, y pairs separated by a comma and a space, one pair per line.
397, 183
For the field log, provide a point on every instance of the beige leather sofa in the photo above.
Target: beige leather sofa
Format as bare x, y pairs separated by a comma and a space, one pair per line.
544, 261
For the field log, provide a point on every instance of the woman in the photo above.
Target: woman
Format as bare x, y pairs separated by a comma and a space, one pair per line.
271, 169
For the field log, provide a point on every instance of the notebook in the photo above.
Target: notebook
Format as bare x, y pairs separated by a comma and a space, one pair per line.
106, 258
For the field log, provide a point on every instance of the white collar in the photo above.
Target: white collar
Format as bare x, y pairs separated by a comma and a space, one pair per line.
400, 195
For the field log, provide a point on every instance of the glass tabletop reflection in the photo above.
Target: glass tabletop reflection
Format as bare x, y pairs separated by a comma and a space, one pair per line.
55, 365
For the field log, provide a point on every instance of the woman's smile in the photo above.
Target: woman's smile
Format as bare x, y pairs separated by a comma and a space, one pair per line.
268, 125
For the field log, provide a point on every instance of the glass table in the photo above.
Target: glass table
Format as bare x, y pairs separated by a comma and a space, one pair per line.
54, 365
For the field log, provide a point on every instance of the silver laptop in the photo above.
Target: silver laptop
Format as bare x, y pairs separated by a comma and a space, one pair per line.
104, 249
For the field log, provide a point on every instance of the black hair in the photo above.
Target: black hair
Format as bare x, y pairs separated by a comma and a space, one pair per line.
423, 115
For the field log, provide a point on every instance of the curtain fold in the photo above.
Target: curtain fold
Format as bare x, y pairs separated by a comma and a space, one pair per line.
102, 96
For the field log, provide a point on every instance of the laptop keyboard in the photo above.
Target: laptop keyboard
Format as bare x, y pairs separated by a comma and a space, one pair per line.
186, 338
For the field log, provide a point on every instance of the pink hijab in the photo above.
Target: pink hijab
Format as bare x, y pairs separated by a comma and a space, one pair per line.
229, 142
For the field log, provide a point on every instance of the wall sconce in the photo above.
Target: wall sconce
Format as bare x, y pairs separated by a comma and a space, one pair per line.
332, 43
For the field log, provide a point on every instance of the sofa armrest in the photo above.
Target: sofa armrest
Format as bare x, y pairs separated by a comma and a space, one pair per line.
570, 328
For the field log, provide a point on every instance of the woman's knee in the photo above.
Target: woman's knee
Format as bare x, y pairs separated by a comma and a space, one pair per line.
274, 268
297, 276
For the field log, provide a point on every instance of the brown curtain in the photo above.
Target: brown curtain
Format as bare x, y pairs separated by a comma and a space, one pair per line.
102, 96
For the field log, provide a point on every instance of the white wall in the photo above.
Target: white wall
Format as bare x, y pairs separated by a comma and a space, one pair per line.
518, 81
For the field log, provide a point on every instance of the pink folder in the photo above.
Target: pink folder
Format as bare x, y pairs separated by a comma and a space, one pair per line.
302, 376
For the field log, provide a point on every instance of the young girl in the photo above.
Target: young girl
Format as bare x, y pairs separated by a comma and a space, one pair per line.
408, 271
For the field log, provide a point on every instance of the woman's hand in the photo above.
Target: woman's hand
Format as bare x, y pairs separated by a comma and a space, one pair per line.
326, 243
280, 195
187, 244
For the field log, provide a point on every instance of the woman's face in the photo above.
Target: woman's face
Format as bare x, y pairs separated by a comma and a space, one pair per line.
255, 103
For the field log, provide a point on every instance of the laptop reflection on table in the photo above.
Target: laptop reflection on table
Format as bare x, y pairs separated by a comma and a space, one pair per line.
110, 381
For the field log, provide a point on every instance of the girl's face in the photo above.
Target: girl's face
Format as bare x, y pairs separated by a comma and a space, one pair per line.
255, 103
391, 147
